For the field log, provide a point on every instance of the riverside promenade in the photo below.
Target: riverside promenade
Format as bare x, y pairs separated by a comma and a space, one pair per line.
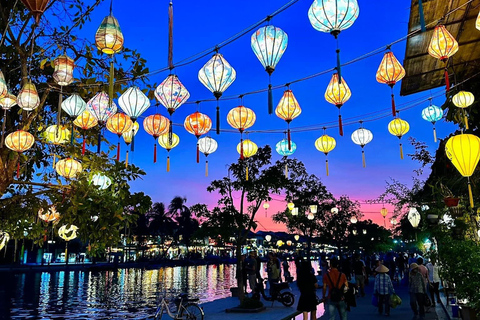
215, 310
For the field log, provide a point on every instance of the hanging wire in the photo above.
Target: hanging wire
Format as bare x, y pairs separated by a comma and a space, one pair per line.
8, 23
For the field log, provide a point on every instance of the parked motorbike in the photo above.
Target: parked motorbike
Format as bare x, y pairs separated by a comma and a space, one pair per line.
278, 292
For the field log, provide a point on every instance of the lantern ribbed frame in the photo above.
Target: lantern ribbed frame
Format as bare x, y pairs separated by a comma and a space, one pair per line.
101, 107
362, 136
63, 73
119, 123
128, 135
288, 107
269, 43
463, 99
207, 145
171, 93
133, 102
57, 135
333, 16
101, 181
442, 44
68, 168
156, 125
464, 152
390, 70
8, 101
85, 120
19, 141
325, 144
74, 105
398, 127
197, 124
28, 98
337, 93
384, 212
414, 217
50, 216
283, 149
250, 148
432, 114
69, 233
3, 86
241, 118
217, 74
36, 7
109, 37
164, 141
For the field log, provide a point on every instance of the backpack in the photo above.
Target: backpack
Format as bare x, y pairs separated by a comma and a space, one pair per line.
336, 294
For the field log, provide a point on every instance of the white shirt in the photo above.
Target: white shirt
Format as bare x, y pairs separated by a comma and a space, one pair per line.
433, 272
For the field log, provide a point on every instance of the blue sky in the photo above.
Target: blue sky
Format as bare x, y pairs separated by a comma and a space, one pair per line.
202, 24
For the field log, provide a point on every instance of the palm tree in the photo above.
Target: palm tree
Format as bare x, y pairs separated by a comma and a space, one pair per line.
187, 225
160, 223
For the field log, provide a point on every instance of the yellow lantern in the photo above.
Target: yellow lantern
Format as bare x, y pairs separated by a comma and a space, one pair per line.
384, 212
247, 148
266, 205
338, 93
57, 134
463, 100
279, 243
68, 234
399, 128
464, 152
241, 118
297, 237
68, 168
28, 98
325, 144
128, 138
168, 143
442, 46
85, 121
290, 206
4, 238
288, 109
119, 124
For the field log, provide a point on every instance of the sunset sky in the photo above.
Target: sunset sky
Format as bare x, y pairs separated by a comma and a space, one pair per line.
202, 24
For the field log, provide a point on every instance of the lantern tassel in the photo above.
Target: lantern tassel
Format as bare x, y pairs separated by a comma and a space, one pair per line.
170, 132
246, 173
339, 66
72, 134
59, 110
3, 128
118, 151
133, 142
326, 166
206, 168
270, 99
241, 149
126, 160
99, 140
155, 152
422, 16
447, 80
401, 151
83, 146
54, 160
394, 109
466, 120
364, 162
110, 84
470, 194
168, 163
289, 140
340, 126
286, 171
18, 169
434, 135
218, 118
198, 153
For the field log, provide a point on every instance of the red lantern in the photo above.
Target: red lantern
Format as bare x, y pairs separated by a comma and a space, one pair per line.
156, 125
198, 124
36, 7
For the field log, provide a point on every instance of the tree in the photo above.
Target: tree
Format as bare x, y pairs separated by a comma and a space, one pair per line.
187, 225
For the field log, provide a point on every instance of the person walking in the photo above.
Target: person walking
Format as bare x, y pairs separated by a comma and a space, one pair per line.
434, 279
383, 288
307, 283
273, 269
360, 274
337, 285
251, 267
417, 290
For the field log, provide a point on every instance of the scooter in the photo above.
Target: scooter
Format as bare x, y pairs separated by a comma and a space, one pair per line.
278, 292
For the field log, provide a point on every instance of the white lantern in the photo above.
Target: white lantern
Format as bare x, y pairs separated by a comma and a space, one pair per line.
3, 85
266, 205
268, 237
361, 137
296, 237
101, 181
334, 210
74, 105
414, 217
133, 102
353, 220
364, 231
311, 216
313, 208
355, 232
295, 211
28, 98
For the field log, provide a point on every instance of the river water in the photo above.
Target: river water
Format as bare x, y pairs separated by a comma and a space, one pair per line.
121, 294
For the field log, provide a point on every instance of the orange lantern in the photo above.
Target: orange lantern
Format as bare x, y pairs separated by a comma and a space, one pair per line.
119, 124
241, 118
442, 46
51, 215
68, 168
156, 125
198, 124
288, 109
19, 141
338, 93
390, 72
85, 121
36, 7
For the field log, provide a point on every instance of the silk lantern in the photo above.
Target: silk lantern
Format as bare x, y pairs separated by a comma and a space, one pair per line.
442, 46
63, 76
6, 103
133, 102
268, 237
477, 25
288, 109
310, 216
384, 213
4, 238
362, 137
36, 8
296, 237
325, 144
128, 137
207, 146
217, 75
390, 72
168, 143
432, 114
85, 121
464, 152
197, 124
290, 206
57, 135
241, 118
19, 141
334, 210
269, 43
51, 215
248, 148
73, 106
333, 16
463, 100
156, 125
3, 85
67, 234
338, 93
101, 181
28, 98
285, 148
353, 220
101, 108
295, 211
399, 128
414, 217
68, 168
119, 124
266, 205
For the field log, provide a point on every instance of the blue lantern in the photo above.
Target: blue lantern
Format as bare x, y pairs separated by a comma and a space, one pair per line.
283, 149
101, 181
432, 114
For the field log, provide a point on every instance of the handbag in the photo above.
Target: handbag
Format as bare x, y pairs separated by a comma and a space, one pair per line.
395, 301
375, 300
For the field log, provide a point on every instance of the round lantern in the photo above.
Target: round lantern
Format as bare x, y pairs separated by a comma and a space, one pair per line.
67, 234
68, 168
36, 7
63, 73
3, 85
464, 152
85, 121
207, 146
51, 215
74, 106
442, 46
266, 205
248, 148
241, 118
414, 217
353, 220
290, 206
101, 181
325, 144
361, 137
57, 134
390, 72
28, 98
168, 143
268, 237
338, 93
432, 114
288, 109
285, 148
399, 128
119, 124
269, 43
198, 124
289, 243
296, 237
109, 37
384, 212
134, 102
128, 137
217, 75
6, 103
477, 25
19, 141
334, 210
155, 125
280, 243
310, 216
4, 238
463, 100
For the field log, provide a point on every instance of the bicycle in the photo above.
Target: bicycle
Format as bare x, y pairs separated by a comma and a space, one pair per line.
187, 309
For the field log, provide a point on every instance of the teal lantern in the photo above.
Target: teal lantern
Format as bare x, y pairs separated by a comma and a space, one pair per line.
74, 106
432, 114
283, 149
133, 102
269, 43
101, 181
